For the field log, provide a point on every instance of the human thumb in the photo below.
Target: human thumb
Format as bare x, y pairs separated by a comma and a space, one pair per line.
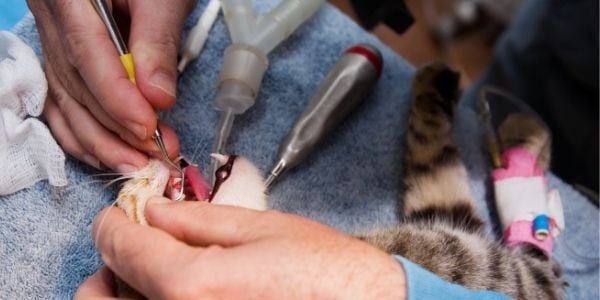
154, 39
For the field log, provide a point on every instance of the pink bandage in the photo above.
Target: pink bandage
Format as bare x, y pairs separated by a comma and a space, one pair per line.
516, 182
521, 232
518, 162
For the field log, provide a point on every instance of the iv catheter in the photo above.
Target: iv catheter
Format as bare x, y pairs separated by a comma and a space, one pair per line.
127, 60
246, 61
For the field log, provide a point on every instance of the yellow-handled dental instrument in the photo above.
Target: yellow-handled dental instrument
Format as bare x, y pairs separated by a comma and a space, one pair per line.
127, 61
108, 20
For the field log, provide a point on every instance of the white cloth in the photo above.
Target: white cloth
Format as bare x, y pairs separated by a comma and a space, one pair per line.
524, 198
28, 153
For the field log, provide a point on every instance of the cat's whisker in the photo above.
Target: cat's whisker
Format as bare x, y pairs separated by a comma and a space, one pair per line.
111, 206
119, 179
78, 185
106, 174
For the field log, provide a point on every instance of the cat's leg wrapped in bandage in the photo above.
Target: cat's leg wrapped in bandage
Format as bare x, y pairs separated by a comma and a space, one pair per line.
527, 211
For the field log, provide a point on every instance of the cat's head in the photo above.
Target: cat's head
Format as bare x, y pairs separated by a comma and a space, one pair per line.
242, 186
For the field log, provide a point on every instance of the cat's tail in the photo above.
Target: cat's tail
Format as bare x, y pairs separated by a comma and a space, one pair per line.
435, 181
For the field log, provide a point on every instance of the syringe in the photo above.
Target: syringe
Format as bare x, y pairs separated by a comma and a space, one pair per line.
239, 82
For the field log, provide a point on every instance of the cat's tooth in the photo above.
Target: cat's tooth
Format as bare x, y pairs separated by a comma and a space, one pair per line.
220, 157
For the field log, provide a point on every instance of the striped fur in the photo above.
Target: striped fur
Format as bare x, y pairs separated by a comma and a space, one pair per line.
441, 230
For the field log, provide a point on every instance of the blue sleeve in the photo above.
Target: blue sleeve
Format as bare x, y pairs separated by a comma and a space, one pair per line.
424, 285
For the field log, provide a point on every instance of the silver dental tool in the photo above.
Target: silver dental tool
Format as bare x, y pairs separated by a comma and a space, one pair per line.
347, 83
126, 58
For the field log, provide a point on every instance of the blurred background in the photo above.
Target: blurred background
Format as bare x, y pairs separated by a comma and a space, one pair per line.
461, 33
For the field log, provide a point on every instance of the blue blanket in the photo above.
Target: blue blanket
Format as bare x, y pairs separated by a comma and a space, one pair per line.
352, 182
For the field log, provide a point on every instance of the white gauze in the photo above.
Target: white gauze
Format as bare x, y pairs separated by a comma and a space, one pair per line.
28, 153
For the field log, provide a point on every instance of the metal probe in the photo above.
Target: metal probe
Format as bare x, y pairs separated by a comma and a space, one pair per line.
127, 61
347, 83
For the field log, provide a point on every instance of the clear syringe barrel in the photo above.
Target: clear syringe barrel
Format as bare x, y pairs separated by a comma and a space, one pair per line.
267, 31
240, 19
239, 81
253, 38
280, 22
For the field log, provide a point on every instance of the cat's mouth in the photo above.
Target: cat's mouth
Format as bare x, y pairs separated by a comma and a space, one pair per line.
194, 186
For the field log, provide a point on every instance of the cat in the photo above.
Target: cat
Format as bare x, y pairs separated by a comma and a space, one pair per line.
441, 230
154, 179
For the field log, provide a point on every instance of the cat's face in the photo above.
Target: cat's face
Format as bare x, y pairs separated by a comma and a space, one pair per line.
243, 186
150, 181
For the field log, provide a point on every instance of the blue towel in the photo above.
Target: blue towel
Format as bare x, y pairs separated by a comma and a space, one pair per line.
352, 182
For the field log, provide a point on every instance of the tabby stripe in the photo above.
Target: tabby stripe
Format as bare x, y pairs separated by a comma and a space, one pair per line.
494, 267
453, 246
460, 215
418, 136
424, 103
447, 156
519, 280
431, 123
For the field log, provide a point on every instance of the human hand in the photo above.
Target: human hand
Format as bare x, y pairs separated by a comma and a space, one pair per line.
94, 111
199, 250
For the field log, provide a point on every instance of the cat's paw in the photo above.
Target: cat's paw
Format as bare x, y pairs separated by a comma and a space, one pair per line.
523, 129
439, 77
436, 89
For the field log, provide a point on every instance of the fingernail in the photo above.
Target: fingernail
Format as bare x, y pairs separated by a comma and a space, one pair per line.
164, 82
159, 200
92, 161
126, 168
138, 129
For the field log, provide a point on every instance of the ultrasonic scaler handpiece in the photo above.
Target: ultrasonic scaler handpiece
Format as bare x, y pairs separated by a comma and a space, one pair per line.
348, 82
